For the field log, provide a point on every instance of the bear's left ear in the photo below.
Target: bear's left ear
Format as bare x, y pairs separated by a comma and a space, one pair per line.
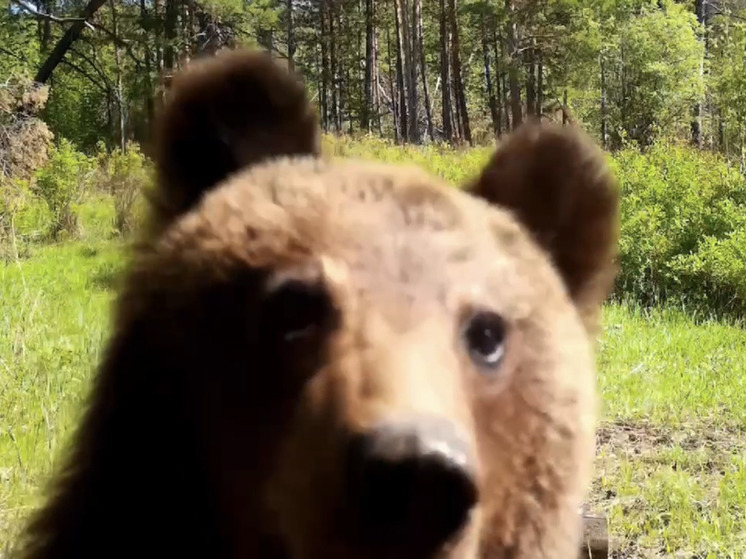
222, 114
557, 183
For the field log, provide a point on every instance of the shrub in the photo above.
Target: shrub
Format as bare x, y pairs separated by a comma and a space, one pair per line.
61, 183
454, 165
683, 220
124, 175
13, 197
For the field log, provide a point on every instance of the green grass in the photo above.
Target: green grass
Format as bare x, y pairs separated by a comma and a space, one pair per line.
671, 467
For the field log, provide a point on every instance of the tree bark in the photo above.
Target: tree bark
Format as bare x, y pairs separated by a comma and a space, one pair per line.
119, 91
394, 108
502, 83
66, 41
333, 67
515, 88
457, 75
324, 67
604, 129
423, 72
539, 87
369, 66
445, 73
412, 46
169, 28
488, 80
403, 116
290, 34
531, 83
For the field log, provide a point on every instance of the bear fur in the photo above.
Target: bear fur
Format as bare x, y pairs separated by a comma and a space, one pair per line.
211, 431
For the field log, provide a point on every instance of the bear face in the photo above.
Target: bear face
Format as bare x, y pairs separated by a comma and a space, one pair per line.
322, 359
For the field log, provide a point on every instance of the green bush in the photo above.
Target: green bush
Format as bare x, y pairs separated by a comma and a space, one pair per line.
61, 183
454, 165
683, 220
124, 175
13, 198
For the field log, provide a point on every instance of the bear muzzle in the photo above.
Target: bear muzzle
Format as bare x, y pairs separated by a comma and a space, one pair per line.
412, 485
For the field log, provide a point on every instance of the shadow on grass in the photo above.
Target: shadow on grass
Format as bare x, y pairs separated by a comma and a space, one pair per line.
106, 278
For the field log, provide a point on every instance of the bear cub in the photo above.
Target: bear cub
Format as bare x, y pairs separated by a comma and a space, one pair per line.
315, 358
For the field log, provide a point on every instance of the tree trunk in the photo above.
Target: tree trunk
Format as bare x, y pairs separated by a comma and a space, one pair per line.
324, 68
502, 83
564, 108
119, 92
423, 72
341, 81
403, 116
445, 73
700, 7
66, 41
412, 47
45, 25
531, 83
146, 24
333, 67
539, 87
169, 52
515, 88
457, 75
394, 108
604, 128
488, 80
369, 66
376, 82
291, 34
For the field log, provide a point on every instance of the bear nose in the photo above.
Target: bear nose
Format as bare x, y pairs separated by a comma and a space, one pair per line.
413, 483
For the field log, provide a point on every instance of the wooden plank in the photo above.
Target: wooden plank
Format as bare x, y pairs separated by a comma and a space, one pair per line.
595, 543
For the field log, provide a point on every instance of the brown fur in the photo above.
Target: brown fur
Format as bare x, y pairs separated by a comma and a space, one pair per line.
206, 436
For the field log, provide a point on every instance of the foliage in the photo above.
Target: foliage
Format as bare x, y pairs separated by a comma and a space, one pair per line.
13, 197
61, 183
452, 164
683, 223
125, 176
630, 70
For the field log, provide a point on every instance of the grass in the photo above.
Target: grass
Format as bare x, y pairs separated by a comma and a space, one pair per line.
671, 465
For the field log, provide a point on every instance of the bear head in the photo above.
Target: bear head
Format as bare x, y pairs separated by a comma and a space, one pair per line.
334, 359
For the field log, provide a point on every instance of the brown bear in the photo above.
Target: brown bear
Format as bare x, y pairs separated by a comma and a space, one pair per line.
323, 359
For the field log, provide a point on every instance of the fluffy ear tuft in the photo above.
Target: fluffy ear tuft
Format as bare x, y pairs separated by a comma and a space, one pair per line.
224, 113
557, 183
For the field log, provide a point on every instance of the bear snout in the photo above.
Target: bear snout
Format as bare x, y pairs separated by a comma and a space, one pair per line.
412, 484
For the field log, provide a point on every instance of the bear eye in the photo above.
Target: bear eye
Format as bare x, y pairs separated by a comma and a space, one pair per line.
297, 309
484, 336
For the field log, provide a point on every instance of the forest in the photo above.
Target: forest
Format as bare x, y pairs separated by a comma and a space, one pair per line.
457, 71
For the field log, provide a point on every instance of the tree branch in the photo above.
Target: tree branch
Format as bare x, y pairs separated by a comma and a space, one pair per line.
66, 41
95, 67
19, 57
49, 17
85, 74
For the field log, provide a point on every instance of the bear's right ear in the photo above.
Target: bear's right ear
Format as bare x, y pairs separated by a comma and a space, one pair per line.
222, 114
556, 181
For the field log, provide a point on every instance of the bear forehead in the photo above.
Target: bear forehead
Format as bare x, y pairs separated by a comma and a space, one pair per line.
393, 233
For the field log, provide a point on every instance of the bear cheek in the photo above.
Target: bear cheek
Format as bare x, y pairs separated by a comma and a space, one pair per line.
533, 434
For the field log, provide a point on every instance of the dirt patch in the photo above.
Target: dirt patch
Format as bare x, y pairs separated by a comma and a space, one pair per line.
656, 483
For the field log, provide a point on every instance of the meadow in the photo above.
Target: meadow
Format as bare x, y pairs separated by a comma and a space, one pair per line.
671, 461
